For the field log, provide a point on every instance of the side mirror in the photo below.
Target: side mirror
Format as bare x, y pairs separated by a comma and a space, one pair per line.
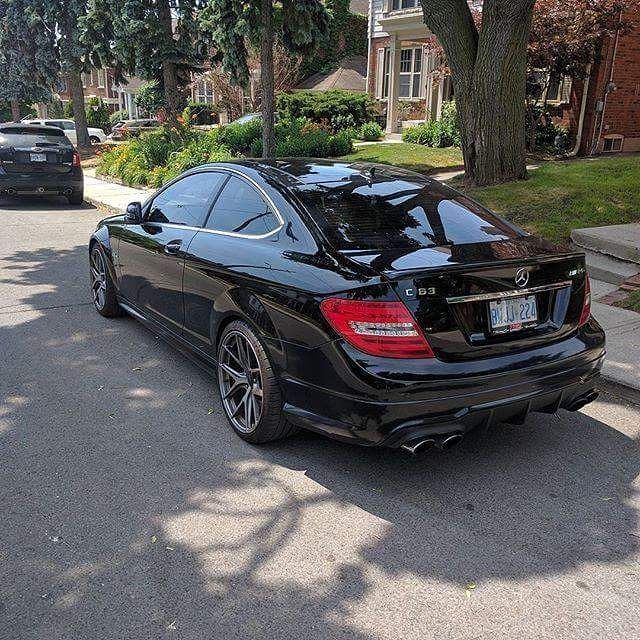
133, 214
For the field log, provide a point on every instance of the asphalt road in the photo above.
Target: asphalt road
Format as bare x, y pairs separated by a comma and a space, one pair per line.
129, 511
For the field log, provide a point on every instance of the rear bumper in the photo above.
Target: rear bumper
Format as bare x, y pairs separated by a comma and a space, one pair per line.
454, 405
41, 184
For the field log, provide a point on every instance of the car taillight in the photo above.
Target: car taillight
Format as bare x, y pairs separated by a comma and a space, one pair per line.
76, 159
586, 304
378, 328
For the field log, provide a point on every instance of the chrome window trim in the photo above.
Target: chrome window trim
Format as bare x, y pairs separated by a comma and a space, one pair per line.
516, 293
232, 234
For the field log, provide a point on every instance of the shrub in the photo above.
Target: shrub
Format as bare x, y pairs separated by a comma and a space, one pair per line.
150, 97
325, 106
437, 133
370, 131
116, 116
239, 138
342, 122
202, 113
98, 114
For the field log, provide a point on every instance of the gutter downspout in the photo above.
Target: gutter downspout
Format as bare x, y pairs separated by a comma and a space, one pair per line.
607, 90
583, 109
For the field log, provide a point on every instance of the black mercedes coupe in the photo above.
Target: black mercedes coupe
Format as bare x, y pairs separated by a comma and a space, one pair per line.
366, 302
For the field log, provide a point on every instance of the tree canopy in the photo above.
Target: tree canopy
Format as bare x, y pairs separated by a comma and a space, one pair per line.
29, 65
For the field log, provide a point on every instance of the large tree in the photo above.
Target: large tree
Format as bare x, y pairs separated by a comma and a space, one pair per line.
232, 24
154, 39
488, 69
28, 60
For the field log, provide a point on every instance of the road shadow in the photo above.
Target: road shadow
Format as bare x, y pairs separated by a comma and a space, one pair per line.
40, 204
130, 510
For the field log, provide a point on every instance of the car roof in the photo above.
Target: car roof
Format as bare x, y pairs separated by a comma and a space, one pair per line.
308, 171
28, 125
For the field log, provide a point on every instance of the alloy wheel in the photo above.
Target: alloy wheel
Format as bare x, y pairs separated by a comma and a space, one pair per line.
98, 279
240, 381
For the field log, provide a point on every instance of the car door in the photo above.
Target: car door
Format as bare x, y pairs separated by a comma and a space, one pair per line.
229, 256
151, 254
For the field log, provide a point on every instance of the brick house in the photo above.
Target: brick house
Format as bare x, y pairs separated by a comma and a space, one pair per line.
98, 83
602, 112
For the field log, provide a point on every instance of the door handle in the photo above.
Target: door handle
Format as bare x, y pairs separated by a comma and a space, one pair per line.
173, 247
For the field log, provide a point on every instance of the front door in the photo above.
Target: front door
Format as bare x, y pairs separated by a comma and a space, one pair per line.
151, 254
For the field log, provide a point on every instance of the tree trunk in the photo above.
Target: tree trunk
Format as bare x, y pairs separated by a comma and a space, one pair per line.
74, 80
15, 110
174, 100
267, 80
488, 69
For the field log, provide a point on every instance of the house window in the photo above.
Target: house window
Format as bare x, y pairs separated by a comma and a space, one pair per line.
397, 5
612, 144
100, 78
86, 80
411, 73
204, 92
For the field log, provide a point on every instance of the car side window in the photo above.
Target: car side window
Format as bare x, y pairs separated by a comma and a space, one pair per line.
241, 209
68, 126
187, 201
54, 123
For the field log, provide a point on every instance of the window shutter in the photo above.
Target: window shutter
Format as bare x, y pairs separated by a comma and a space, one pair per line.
380, 72
565, 93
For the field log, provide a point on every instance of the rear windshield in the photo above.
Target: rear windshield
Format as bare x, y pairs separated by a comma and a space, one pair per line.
399, 214
22, 136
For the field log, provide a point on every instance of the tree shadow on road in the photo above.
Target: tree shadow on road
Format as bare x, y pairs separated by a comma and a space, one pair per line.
130, 510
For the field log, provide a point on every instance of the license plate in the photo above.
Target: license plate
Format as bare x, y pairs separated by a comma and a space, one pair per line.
512, 314
38, 157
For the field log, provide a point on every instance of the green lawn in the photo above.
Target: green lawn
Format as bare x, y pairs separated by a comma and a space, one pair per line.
410, 156
632, 302
561, 196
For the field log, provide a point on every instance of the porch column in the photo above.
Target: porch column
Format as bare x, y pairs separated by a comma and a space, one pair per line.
394, 83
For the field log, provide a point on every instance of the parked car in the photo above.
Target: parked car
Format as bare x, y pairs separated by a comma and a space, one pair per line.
39, 160
366, 302
69, 127
132, 128
247, 117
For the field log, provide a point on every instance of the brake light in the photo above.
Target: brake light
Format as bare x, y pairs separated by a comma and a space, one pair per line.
76, 159
586, 305
378, 328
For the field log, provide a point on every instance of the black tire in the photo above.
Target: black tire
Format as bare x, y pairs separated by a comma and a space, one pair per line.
77, 197
105, 300
94, 140
271, 424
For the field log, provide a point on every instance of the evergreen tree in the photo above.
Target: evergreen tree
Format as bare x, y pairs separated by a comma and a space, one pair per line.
28, 60
154, 39
231, 24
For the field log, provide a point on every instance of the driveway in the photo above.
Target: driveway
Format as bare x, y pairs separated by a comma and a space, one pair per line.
130, 510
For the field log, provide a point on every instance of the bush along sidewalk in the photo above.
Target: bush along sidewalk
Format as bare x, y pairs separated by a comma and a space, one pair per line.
159, 156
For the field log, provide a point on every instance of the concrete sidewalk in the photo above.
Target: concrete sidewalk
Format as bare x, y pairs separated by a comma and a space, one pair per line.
622, 327
110, 196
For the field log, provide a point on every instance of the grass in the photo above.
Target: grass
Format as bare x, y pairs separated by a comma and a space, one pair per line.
561, 196
410, 156
631, 302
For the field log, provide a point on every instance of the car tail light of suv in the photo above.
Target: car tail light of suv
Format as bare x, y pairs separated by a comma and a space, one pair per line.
384, 329
586, 305
76, 159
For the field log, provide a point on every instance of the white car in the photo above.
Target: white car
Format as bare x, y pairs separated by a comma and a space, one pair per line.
69, 128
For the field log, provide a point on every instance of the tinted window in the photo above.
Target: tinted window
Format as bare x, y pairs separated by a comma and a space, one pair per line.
186, 201
399, 214
241, 209
29, 137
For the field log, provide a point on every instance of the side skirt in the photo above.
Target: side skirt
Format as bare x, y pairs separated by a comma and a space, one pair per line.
198, 357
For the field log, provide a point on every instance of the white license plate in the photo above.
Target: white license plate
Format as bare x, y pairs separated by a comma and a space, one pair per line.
38, 157
512, 314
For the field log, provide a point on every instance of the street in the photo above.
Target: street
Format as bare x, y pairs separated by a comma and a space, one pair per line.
131, 511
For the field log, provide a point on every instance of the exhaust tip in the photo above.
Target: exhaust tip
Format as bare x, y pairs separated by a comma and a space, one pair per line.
67, 192
580, 402
10, 191
418, 446
448, 442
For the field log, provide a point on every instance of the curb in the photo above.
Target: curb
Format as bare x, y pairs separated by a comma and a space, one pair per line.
102, 205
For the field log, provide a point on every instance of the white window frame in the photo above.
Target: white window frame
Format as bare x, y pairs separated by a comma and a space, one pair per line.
383, 73
412, 4
204, 91
101, 81
416, 71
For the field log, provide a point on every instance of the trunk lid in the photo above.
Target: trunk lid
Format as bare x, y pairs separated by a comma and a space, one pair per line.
43, 158
451, 291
